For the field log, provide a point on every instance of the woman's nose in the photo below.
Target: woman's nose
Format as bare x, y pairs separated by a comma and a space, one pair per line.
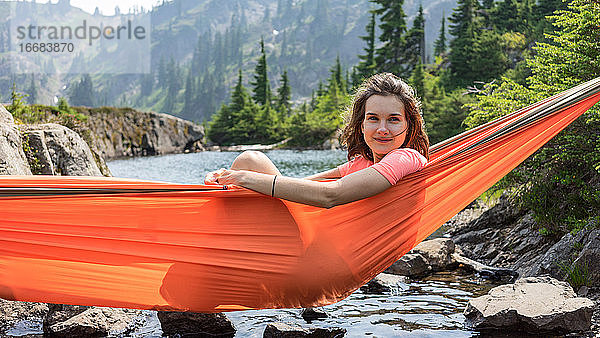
382, 128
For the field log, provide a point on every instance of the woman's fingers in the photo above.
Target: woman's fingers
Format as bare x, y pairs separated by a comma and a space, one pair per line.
213, 176
223, 176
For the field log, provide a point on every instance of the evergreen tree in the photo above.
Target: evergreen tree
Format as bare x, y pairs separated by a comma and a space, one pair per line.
418, 80
219, 54
390, 57
414, 50
32, 91
439, 46
323, 117
559, 183
162, 73
240, 96
267, 125
206, 95
82, 93
489, 60
284, 95
146, 85
337, 76
188, 105
366, 67
229, 124
505, 16
464, 28
261, 87
487, 4
196, 58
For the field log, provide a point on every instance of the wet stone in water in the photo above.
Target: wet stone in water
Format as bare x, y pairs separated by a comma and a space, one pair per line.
310, 314
190, 324
278, 330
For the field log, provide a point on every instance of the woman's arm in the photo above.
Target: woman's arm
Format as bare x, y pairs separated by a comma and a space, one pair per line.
333, 173
358, 185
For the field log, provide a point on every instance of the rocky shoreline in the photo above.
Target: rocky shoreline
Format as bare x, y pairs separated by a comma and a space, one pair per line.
505, 236
493, 242
126, 132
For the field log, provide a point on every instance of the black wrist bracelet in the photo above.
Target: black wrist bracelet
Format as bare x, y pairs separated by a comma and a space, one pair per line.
273, 188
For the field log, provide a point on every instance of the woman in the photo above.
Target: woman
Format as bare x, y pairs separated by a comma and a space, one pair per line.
386, 140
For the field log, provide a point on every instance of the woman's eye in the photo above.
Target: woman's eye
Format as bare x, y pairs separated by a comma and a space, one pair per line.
373, 118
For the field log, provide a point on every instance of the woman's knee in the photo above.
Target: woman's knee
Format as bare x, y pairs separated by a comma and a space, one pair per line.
255, 161
251, 156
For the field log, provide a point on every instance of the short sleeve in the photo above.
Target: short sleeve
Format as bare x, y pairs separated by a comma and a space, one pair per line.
356, 164
344, 168
399, 163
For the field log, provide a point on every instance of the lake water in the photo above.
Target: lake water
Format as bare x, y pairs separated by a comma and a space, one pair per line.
429, 307
191, 168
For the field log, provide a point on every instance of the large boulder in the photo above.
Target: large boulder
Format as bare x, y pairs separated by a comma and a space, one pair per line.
562, 253
588, 259
533, 304
410, 265
5, 116
83, 321
58, 150
437, 252
127, 132
572, 253
190, 324
12, 157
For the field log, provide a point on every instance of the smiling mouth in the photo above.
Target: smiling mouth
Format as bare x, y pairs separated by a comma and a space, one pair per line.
382, 140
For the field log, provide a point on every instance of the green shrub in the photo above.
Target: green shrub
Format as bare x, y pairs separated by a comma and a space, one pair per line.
577, 275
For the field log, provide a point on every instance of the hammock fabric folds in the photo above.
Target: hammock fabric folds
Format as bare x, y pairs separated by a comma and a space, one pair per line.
153, 245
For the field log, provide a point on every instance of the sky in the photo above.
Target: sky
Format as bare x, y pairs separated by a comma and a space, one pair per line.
107, 7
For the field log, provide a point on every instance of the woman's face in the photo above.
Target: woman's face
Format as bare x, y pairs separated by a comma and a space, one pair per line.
384, 126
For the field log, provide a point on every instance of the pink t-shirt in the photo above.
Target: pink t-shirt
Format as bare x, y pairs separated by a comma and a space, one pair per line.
393, 166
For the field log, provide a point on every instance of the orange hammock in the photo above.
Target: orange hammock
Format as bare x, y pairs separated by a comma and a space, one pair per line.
153, 245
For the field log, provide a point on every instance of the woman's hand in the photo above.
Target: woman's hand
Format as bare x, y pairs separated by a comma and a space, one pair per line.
224, 177
211, 177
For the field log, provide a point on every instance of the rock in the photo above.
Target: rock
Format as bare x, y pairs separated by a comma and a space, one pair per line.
577, 253
58, 150
310, 314
12, 313
12, 157
588, 258
195, 147
503, 236
560, 253
411, 265
534, 304
331, 144
583, 291
122, 132
190, 324
282, 330
386, 283
437, 252
6, 116
83, 321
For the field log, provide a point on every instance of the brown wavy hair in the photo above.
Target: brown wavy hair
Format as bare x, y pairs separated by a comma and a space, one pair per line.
384, 84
